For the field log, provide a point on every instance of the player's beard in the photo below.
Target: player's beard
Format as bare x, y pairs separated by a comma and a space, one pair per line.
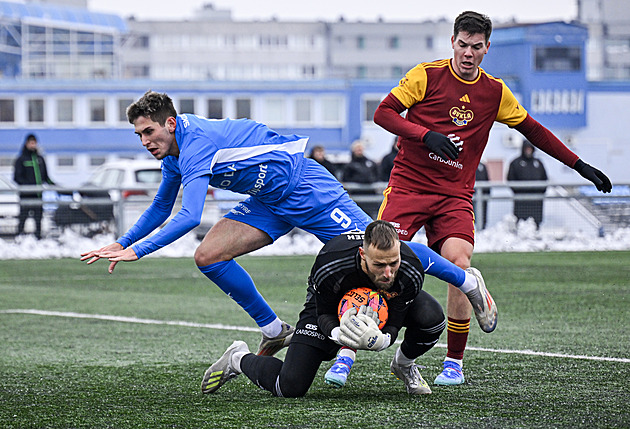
378, 280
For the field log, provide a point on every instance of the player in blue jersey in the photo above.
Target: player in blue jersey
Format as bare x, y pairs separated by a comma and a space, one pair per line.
285, 189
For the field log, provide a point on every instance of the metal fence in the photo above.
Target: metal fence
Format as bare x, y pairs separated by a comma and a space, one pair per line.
90, 211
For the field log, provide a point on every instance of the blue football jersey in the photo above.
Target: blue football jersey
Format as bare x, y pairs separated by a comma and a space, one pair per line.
240, 155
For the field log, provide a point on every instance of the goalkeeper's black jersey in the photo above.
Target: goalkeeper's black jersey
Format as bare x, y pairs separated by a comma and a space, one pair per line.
337, 269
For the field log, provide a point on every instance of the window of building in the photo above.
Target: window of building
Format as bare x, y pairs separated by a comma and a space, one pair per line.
97, 110
243, 108
61, 41
105, 45
273, 41
186, 105
303, 110
332, 110
65, 110
7, 110
557, 58
361, 72
36, 69
369, 107
397, 72
35, 37
230, 40
36, 110
96, 160
140, 42
428, 42
137, 70
85, 43
215, 108
309, 71
273, 111
123, 103
65, 161
393, 42
360, 42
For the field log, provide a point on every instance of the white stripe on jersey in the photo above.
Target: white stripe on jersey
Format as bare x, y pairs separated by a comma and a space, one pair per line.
242, 153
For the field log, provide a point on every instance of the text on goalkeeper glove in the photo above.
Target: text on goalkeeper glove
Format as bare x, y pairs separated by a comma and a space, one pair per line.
351, 328
360, 332
376, 340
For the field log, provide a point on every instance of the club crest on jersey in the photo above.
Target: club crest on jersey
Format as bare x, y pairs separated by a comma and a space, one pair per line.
387, 295
461, 116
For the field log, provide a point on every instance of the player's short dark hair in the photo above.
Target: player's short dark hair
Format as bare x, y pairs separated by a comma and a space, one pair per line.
473, 23
380, 234
152, 105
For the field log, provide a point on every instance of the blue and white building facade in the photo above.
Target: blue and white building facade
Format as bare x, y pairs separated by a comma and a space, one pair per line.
75, 103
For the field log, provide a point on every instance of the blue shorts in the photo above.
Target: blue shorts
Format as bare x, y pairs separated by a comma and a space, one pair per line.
318, 205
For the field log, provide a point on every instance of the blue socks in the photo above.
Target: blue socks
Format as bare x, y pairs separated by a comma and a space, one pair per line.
437, 266
238, 285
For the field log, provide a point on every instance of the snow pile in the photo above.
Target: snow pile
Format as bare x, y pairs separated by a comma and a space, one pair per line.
505, 236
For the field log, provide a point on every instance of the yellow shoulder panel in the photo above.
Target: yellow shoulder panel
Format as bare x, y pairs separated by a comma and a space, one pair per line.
510, 113
412, 88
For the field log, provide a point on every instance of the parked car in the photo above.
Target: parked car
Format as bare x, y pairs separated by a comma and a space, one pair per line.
130, 177
132, 183
9, 207
113, 181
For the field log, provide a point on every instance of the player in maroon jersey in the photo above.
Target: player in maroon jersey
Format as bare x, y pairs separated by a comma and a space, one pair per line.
451, 105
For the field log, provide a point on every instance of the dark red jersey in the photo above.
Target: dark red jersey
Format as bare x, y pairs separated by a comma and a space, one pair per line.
437, 99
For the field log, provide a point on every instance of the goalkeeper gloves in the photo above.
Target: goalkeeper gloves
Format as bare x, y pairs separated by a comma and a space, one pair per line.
602, 183
360, 332
441, 145
369, 312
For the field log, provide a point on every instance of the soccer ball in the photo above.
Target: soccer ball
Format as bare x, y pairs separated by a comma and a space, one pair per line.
364, 296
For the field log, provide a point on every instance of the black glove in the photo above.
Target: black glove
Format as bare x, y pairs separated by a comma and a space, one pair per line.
441, 145
602, 183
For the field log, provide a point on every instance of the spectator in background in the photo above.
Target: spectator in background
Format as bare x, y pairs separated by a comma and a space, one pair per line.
318, 153
29, 170
481, 175
387, 163
360, 169
528, 168
363, 172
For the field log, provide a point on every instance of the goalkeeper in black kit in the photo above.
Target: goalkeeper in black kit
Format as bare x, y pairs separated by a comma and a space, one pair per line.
376, 259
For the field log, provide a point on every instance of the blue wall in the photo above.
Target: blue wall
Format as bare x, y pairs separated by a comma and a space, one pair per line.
555, 98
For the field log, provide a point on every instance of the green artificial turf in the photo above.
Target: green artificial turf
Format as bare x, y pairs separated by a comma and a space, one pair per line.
559, 357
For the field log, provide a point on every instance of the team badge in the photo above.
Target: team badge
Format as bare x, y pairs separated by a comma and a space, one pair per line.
461, 116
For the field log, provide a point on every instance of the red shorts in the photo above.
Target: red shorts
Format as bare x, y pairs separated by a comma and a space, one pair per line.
442, 216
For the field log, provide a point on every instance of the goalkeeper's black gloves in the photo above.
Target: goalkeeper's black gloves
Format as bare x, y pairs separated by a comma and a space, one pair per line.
601, 181
441, 145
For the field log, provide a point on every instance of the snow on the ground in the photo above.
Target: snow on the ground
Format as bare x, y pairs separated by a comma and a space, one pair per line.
506, 236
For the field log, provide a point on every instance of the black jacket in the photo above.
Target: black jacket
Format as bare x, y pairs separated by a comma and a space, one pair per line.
30, 169
526, 168
360, 170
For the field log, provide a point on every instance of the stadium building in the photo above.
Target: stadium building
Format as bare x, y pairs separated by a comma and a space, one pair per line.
68, 74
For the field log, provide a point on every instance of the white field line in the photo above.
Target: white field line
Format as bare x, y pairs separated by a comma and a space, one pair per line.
250, 329
130, 320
